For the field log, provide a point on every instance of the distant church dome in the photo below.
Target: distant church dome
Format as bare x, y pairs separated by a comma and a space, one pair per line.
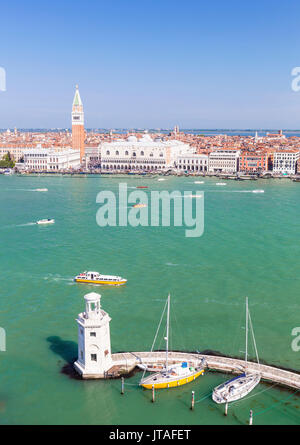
132, 139
146, 137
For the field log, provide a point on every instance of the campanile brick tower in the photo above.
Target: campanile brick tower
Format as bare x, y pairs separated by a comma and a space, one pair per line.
78, 124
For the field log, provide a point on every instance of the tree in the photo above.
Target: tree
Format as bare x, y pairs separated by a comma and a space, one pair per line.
7, 161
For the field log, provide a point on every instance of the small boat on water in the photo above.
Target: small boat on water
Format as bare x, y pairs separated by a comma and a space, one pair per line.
139, 206
41, 190
169, 375
97, 278
46, 221
238, 387
8, 171
142, 187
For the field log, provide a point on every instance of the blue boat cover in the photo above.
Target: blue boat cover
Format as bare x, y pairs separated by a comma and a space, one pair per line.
184, 365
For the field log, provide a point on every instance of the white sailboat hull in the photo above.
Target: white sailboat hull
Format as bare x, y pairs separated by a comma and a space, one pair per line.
236, 388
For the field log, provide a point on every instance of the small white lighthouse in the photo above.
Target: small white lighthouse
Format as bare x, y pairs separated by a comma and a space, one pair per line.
94, 351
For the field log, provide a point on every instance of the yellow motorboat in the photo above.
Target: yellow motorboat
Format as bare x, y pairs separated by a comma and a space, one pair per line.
97, 278
171, 376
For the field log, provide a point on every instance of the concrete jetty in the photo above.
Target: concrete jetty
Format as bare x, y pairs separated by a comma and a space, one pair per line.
95, 360
124, 363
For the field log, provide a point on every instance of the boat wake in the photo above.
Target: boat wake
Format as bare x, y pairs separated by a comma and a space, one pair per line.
30, 190
193, 196
58, 278
13, 226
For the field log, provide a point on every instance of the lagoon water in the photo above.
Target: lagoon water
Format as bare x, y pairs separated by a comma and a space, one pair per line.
250, 247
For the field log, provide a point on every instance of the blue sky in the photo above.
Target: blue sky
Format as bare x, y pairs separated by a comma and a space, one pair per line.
150, 63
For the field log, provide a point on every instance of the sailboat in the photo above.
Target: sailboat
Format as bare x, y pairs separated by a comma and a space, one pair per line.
170, 375
243, 384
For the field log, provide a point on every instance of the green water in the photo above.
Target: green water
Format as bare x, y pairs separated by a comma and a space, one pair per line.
250, 246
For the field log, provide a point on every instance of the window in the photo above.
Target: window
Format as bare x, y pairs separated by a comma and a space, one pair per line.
126, 153
94, 357
117, 153
93, 334
107, 152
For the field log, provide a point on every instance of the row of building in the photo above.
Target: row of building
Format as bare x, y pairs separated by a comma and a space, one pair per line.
144, 153
157, 155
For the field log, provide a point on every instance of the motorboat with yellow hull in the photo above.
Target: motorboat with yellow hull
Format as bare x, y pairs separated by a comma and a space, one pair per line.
97, 278
177, 375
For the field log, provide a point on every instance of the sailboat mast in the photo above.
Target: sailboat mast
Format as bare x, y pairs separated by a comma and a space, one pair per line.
246, 352
167, 337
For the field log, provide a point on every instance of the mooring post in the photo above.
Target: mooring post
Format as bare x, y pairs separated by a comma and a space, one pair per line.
226, 408
122, 386
153, 394
193, 400
251, 417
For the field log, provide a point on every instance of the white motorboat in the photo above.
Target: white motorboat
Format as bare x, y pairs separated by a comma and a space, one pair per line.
46, 221
238, 387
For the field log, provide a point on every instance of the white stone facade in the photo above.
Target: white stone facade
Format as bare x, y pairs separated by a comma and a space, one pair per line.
192, 162
41, 159
94, 349
224, 161
144, 154
285, 162
16, 153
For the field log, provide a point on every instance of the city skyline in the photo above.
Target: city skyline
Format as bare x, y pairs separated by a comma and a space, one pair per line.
151, 66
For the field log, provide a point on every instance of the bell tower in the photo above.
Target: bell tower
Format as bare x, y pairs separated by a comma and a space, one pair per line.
78, 135
94, 351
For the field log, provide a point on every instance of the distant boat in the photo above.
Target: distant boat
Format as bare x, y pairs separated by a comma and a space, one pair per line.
8, 171
97, 278
139, 206
238, 387
46, 221
169, 376
41, 190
